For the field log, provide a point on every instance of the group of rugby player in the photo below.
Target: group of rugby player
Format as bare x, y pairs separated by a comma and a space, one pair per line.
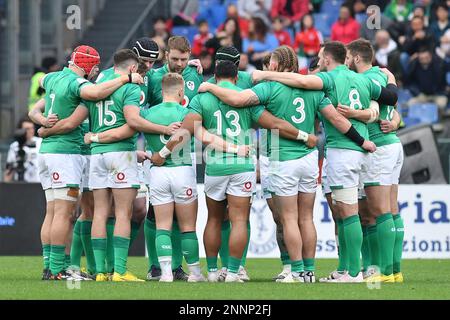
90, 131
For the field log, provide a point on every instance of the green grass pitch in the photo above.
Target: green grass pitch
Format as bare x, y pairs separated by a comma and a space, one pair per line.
424, 279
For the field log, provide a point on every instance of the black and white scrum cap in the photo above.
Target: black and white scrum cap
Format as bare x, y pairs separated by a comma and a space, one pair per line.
146, 48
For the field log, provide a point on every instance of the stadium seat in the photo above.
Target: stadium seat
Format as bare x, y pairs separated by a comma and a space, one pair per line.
188, 32
331, 6
404, 95
323, 23
425, 112
409, 122
361, 18
447, 77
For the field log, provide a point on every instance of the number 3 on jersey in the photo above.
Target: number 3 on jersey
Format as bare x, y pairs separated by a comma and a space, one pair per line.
300, 109
234, 123
105, 116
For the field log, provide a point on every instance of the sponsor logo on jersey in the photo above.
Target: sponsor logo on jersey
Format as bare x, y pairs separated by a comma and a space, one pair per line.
190, 85
120, 176
189, 192
185, 102
248, 186
142, 99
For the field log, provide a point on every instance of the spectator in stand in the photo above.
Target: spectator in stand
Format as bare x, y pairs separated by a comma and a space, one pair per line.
443, 51
425, 78
291, 11
419, 11
200, 39
308, 40
260, 42
206, 60
232, 12
368, 31
244, 64
48, 64
399, 10
255, 8
346, 28
184, 12
387, 54
441, 25
229, 36
283, 37
160, 29
416, 38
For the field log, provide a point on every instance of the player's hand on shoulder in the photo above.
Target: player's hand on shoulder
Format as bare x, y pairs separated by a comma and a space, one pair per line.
142, 156
172, 128
204, 87
157, 160
51, 120
369, 146
346, 111
312, 141
197, 64
137, 78
257, 76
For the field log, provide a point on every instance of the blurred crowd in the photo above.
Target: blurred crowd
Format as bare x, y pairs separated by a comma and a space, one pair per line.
411, 38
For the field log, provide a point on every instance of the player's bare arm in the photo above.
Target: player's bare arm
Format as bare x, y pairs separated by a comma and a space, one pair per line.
36, 115
344, 126
311, 82
233, 98
66, 125
219, 144
109, 136
364, 115
388, 126
287, 130
137, 123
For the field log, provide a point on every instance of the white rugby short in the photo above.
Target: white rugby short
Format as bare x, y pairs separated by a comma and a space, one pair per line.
344, 167
239, 185
115, 170
325, 185
264, 176
58, 170
85, 177
172, 184
288, 178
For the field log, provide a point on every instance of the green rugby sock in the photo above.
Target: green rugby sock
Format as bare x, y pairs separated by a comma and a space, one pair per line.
177, 253
189, 245
46, 255
343, 258
121, 246
224, 250
297, 266
86, 228
99, 246
233, 264
398, 247
211, 262
135, 226
374, 249
284, 256
386, 242
244, 255
150, 239
76, 249
365, 249
57, 258
110, 244
163, 243
353, 243
309, 264
66, 261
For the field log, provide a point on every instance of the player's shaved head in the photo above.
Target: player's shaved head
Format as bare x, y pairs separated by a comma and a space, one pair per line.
226, 70
335, 50
173, 86
361, 48
124, 59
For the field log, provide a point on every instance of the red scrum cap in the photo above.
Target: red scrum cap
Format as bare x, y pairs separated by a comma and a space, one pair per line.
86, 58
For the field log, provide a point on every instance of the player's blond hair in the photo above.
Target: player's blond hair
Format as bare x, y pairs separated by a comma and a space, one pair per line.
171, 83
286, 58
178, 43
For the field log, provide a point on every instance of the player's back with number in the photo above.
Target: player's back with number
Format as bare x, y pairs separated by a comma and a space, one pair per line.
109, 114
62, 98
345, 87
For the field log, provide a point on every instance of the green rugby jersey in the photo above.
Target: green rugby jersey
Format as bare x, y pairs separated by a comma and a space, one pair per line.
346, 87
192, 81
143, 101
298, 107
164, 114
108, 114
386, 113
232, 124
85, 128
62, 98
244, 80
